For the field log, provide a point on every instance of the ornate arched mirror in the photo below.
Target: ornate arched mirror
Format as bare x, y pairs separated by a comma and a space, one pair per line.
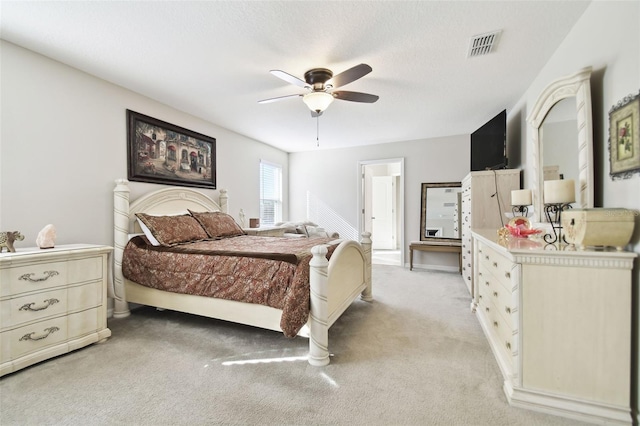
562, 136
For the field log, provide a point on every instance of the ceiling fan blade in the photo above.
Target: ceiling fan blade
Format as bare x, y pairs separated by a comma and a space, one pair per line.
289, 78
279, 98
355, 96
350, 75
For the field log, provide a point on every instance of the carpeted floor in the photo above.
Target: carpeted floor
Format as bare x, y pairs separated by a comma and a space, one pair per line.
415, 356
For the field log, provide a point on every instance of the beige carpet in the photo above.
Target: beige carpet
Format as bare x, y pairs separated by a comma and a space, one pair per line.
415, 356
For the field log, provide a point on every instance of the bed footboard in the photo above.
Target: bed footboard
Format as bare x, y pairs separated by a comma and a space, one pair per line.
335, 284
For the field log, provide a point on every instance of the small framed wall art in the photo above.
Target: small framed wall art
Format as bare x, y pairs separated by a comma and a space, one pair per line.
624, 137
159, 152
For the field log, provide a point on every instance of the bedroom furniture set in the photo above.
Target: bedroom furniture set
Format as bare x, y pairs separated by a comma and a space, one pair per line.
321, 277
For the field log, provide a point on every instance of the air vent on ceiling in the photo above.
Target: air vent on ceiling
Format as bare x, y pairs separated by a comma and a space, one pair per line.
483, 44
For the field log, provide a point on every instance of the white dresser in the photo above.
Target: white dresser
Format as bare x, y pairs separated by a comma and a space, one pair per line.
486, 195
52, 301
559, 325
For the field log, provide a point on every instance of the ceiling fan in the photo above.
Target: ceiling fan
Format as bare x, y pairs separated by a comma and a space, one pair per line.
320, 83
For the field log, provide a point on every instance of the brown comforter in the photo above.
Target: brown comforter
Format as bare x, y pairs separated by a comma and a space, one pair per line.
266, 270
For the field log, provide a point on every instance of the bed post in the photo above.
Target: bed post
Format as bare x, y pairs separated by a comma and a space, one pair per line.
319, 316
120, 238
366, 294
223, 201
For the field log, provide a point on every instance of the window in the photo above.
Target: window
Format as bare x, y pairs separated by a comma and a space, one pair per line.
270, 193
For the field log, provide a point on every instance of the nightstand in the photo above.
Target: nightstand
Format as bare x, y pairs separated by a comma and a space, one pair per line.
52, 301
265, 231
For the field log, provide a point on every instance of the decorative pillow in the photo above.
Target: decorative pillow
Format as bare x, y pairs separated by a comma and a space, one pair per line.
169, 231
218, 224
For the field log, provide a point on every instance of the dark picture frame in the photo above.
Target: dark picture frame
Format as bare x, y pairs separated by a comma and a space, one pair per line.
160, 152
624, 137
442, 195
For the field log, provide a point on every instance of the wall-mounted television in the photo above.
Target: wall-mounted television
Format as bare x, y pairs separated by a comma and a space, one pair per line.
489, 144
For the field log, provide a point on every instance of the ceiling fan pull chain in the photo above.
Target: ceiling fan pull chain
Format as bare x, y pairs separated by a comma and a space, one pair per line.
318, 131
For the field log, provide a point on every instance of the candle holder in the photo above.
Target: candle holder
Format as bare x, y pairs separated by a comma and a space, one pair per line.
553, 212
520, 211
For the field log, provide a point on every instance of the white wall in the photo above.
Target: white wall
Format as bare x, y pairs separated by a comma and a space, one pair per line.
332, 175
64, 142
607, 38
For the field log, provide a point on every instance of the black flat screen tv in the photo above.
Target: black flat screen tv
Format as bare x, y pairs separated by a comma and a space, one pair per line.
489, 144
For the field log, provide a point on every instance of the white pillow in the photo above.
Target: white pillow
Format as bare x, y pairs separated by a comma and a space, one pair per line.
147, 233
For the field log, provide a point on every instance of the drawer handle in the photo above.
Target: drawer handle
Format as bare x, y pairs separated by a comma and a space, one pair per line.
486, 283
507, 274
495, 294
495, 323
479, 296
479, 274
495, 264
487, 257
49, 274
29, 306
507, 310
487, 309
508, 345
49, 331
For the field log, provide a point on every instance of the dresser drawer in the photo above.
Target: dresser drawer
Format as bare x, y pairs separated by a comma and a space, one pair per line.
34, 277
500, 331
37, 306
32, 307
500, 266
41, 276
499, 296
34, 337
504, 338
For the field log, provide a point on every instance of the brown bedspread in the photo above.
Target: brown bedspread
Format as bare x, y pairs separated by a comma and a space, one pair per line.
269, 271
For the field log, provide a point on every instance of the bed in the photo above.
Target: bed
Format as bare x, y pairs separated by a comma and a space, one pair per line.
334, 283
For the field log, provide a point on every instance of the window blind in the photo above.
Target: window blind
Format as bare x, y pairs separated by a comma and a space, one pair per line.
270, 193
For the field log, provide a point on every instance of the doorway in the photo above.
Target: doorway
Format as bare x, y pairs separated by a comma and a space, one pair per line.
381, 202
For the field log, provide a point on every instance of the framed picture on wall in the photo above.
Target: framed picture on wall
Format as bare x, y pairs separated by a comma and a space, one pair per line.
624, 137
159, 152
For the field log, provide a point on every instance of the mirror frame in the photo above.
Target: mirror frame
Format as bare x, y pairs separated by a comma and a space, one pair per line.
577, 85
423, 211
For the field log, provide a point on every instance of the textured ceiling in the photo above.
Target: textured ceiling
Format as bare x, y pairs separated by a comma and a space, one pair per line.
212, 59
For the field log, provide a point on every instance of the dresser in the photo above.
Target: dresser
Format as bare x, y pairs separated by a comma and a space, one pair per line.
559, 325
52, 302
486, 196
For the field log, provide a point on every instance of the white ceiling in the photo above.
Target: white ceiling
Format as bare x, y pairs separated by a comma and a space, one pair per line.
212, 59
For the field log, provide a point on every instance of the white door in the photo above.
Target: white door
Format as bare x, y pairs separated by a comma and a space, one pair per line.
382, 212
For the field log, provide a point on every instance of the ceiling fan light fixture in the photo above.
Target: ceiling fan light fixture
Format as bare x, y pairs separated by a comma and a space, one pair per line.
317, 101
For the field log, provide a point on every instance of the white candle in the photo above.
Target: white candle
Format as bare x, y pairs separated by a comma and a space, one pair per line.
521, 197
559, 191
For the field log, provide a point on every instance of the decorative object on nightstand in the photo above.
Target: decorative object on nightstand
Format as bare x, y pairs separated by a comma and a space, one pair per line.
7, 239
254, 222
242, 218
520, 202
52, 302
599, 227
558, 196
47, 237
